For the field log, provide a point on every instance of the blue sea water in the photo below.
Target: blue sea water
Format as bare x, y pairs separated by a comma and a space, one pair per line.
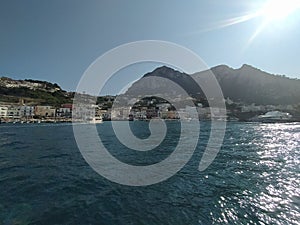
253, 180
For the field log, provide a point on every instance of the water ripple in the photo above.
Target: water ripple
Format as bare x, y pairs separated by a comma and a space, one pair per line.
253, 180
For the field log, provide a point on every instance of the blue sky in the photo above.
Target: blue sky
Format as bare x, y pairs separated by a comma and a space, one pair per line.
56, 40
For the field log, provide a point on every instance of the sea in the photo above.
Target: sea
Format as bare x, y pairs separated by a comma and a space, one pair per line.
255, 178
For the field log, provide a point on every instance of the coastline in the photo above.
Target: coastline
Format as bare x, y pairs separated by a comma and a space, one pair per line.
70, 120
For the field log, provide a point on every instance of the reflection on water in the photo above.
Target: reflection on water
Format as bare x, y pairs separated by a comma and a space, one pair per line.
253, 180
279, 153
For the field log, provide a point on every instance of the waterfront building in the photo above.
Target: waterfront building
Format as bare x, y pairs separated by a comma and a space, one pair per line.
151, 113
163, 106
255, 108
120, 113
3, 111
45, 111
26, 111
14, 112
64, 112
83, 112
104, 113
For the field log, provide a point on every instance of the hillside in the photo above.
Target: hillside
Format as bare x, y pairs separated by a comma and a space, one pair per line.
33, 92
246, 84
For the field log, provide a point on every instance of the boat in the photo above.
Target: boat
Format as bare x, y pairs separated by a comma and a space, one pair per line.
96, 120
275, 116
232, 119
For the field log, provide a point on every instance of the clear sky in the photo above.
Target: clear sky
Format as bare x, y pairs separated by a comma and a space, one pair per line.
56, 40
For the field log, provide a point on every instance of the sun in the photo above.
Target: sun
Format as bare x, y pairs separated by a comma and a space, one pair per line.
269, 15
275, 10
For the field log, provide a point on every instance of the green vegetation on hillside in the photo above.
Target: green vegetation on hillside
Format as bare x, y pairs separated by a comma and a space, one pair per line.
39, 96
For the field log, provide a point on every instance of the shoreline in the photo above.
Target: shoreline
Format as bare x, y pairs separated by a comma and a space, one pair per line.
69, 120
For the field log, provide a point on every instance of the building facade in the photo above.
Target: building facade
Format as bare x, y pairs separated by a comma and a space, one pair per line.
45, 111
3, 111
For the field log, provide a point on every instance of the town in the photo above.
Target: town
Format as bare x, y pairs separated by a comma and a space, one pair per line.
144, 109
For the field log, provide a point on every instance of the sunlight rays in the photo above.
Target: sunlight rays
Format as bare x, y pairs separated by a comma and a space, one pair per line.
271, 12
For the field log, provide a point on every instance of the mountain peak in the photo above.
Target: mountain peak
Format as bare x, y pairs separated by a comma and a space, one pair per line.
222, 69
222, 66
163, 71
247, 67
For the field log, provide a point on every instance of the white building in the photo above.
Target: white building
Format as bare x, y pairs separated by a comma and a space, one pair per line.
83, 112
63, 112
163, 106
26, 111
252, 108
120, 112
14, 112
3, 111
188, 113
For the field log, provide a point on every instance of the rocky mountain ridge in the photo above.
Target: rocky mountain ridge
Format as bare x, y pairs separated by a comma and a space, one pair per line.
246, 84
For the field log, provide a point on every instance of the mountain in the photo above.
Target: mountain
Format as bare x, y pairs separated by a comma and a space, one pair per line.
164, 86
251, 85
32, 91
246, 84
